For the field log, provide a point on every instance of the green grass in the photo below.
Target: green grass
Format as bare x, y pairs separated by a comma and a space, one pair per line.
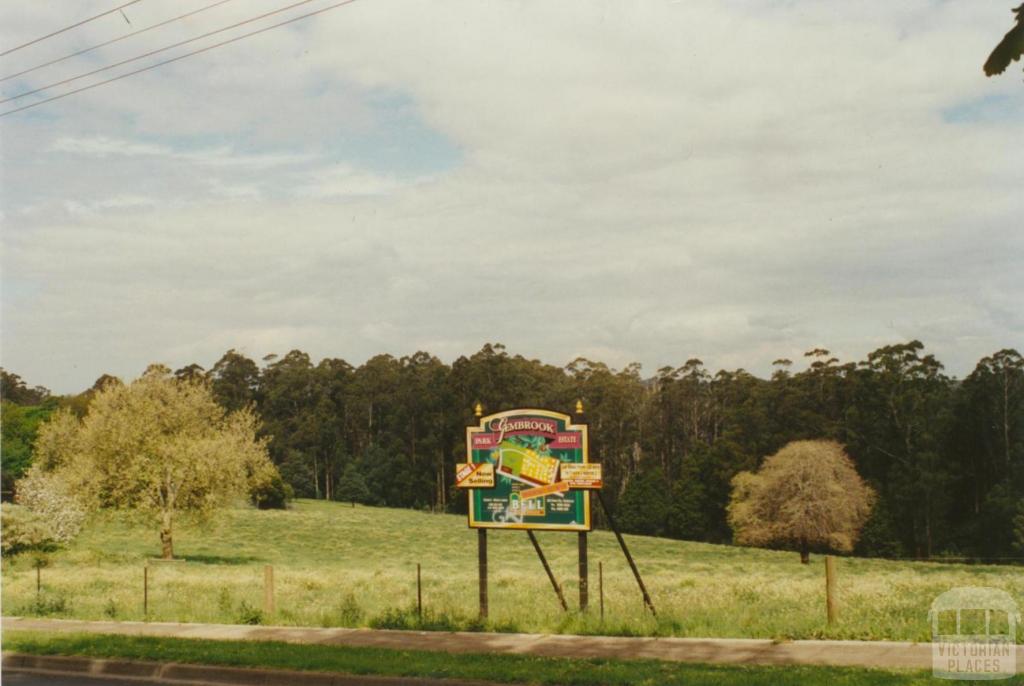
339, 566
504, 668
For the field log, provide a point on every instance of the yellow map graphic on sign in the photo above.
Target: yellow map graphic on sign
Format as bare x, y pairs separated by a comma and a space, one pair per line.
525, 464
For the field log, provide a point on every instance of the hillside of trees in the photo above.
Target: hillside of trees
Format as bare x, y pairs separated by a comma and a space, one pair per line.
945, 456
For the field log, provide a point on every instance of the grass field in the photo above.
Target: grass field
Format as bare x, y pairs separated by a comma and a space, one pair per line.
339, 566
511, 669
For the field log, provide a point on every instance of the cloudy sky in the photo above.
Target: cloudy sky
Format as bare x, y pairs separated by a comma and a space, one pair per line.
628, 181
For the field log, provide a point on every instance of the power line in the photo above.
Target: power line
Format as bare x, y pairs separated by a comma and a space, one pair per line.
158, 50
179, 57
114, 40
68, 28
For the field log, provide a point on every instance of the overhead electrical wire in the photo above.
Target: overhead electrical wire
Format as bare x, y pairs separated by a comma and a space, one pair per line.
114, 40
157, 51
68, 28
179, 57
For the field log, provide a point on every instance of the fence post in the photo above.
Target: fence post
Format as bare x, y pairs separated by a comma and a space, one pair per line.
419, 593
145, 591
600, 586
830, 588
268, 589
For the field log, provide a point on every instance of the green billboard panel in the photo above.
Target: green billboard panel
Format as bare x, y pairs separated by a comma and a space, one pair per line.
527, 449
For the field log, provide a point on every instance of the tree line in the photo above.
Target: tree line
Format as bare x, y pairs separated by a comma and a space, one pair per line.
945, 456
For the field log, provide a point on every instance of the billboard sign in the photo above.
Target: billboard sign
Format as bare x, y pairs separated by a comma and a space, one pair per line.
526, 451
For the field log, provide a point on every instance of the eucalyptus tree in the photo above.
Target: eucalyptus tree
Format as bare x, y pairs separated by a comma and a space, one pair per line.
235, 380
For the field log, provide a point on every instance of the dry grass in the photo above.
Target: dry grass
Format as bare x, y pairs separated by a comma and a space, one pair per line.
338, 566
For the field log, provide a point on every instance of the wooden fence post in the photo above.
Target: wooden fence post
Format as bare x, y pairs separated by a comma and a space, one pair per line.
268, 589
830, 588
145, 591
419, 593
600, 586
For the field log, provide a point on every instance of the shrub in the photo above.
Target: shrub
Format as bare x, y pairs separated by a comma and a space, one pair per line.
399, 618
22, 530
349, 612
248, 614
46, 604
272, 493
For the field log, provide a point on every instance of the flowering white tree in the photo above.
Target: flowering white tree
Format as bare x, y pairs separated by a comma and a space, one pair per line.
50, 498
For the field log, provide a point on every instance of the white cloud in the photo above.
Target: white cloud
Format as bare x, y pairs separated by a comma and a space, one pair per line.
345, 181
652, 181
103, 146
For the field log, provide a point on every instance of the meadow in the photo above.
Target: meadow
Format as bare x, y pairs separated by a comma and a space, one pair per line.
340, 566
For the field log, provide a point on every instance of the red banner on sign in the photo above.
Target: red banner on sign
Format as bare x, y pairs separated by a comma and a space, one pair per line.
481, 441
567, 440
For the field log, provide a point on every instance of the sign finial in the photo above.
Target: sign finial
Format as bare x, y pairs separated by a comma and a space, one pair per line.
579, 407
478, 410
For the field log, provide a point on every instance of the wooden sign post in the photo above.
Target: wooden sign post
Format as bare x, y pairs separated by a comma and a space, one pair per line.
547, 569
481, 551
582, 541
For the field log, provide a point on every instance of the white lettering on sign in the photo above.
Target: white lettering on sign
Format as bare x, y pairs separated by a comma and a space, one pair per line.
503, 425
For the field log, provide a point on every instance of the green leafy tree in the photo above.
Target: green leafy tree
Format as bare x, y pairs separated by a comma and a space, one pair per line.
690, 513
806, 495
191, 372
987, 453
235, 380
879, 538
160, 447
13, 389
353, 486
20, 424
272, 493
288, 396
644, 505
897, 427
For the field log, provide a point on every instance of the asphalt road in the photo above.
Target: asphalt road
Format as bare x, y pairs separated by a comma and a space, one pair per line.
22, 679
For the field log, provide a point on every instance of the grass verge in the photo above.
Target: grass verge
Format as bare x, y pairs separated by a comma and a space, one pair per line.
511, 669
340, 566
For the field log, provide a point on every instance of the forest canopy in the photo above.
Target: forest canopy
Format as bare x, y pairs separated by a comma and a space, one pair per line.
945, 456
